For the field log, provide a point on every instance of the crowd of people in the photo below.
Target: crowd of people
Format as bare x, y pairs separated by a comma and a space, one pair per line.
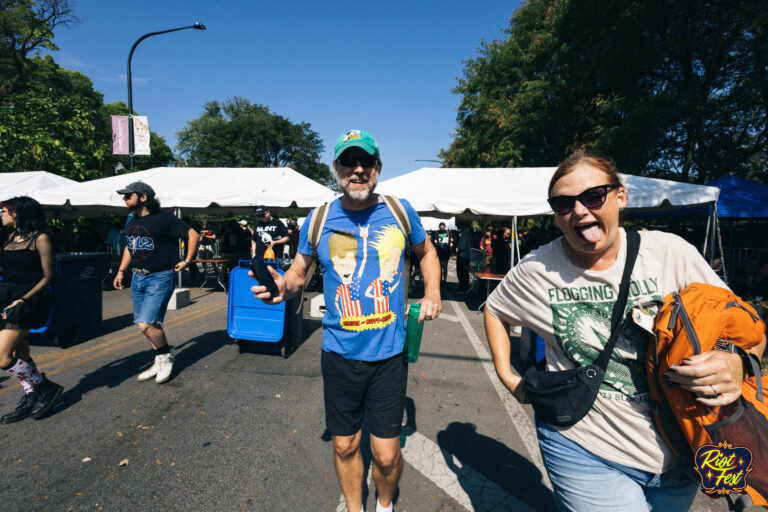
611, 459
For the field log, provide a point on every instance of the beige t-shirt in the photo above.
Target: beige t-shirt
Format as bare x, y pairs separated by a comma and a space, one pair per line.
570, 308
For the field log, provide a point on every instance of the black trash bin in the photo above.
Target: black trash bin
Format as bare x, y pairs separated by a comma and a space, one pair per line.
77, 305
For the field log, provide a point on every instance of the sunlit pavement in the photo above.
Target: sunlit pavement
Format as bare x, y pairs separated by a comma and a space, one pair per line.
234, 431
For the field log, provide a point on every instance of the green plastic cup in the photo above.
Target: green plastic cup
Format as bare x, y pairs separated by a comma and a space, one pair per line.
413, 331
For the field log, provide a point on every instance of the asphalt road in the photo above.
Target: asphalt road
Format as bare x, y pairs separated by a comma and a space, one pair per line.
236, 431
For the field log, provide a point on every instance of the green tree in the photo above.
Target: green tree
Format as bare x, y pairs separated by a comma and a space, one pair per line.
675, 88
26, 27
50, 123
237, 133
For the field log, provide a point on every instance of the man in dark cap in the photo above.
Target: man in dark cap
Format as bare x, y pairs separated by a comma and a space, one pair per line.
270, 231
152, 252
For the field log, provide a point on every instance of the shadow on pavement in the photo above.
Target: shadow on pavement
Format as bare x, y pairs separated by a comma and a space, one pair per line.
116, 372
496, 462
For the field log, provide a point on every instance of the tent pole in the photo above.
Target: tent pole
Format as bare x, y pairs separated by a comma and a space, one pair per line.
517, 243
706, 234
720, 244
712, 235
178, 214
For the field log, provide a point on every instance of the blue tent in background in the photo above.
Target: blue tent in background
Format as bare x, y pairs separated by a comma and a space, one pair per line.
740, 197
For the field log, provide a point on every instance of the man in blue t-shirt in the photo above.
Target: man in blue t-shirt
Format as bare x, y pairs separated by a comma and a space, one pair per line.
361, 253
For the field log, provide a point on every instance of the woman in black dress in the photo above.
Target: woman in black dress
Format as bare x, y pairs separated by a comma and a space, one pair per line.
27, 262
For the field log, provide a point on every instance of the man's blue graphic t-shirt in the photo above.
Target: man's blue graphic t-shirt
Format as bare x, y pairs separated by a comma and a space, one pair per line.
361, 253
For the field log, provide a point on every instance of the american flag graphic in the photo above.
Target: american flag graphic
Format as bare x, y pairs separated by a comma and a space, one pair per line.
380, 306
349, 307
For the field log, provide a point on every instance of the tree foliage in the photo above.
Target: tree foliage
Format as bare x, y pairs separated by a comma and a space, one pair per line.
675, 88
55, 121
237, 133
26, 27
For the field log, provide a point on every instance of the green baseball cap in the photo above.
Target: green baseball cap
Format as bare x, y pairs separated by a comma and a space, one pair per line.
355, 138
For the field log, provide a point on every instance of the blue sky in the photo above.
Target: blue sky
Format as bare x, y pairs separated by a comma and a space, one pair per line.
386, 67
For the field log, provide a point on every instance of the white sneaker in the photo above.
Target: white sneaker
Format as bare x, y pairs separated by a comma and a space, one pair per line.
165, 363
151, 371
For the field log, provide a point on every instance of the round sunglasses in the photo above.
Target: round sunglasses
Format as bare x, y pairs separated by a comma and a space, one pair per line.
592, 199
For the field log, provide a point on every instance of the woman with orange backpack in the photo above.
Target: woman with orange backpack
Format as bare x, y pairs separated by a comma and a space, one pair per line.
593, 414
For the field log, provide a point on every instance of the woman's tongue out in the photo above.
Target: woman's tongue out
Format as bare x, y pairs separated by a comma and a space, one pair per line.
590, 232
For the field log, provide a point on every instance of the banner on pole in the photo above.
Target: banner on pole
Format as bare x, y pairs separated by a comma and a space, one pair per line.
120, 144
119, 135
140, 135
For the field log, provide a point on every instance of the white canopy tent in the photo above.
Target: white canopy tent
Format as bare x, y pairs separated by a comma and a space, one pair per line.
508, 193
505, 193
14, 184
196, 190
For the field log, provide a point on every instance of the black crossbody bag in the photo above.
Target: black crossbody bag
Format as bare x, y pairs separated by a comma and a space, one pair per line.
563, 398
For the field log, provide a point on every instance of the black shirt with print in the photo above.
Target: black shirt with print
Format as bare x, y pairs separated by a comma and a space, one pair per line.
153, 241
269, 232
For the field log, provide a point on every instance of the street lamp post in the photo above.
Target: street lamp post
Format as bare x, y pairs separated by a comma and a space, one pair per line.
196, 26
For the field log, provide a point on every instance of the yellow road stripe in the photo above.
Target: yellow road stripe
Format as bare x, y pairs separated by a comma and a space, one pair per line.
136, 338
76, 352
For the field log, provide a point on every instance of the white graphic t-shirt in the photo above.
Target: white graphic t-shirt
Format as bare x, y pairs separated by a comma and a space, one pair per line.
570, 308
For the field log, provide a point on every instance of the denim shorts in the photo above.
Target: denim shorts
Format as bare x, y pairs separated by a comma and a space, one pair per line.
150, 294
584, 481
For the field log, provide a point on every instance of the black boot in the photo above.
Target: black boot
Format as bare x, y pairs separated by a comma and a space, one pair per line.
22, 410
47, 393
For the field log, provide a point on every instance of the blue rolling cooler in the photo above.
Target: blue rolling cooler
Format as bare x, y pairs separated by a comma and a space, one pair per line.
77, 307
277, 327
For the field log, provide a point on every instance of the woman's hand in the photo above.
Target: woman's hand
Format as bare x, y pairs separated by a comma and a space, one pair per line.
11, 308
715, 376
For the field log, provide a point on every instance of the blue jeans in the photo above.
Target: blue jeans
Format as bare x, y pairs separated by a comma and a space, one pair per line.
150, 295
583, 481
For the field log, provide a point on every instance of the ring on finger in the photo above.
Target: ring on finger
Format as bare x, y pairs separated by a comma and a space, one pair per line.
714, 390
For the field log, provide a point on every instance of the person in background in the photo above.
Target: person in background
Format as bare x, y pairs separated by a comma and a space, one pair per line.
153, 255
271, 232
245, 243
231, 240
293, 237
207, 240
441, 239
464, 250
28, 262
613, 458
486, 244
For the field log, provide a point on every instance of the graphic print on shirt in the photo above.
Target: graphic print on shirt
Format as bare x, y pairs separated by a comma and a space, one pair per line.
140, 243
343, 252
582, 322
356, 315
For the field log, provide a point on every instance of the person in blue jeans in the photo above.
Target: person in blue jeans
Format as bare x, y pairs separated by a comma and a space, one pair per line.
613, 458
152, 253
361, 251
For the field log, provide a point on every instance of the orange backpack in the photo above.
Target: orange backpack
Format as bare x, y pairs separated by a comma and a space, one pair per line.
698, 319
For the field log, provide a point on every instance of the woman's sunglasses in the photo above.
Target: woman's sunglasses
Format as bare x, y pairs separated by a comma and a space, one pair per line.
366, 161
592, 198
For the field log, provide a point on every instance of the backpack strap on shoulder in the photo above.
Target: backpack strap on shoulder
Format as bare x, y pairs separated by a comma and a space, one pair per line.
400, 215
398, 211
316, 225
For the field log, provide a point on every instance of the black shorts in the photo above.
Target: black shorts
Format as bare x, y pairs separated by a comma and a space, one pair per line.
374, 387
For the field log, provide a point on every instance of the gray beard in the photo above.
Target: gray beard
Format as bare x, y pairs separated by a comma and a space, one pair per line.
357, 195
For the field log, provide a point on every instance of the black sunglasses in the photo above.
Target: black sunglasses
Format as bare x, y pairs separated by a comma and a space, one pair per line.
366, 161
128, 196
592, 198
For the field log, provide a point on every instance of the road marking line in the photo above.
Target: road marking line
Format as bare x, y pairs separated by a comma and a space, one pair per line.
137, 337
446, 316
468, 487
520, 419
56, 357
